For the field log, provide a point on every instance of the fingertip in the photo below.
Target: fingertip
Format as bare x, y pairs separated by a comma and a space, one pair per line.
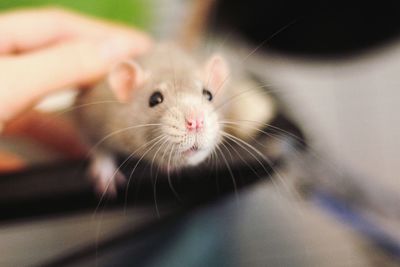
10, 162
118, 48
115, 49
143, 43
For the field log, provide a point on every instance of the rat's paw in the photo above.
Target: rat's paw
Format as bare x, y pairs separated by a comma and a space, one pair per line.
105, 174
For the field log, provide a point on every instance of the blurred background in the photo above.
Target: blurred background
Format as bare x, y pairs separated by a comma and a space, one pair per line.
335, 66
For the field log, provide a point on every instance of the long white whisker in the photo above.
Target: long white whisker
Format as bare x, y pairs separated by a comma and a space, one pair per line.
239, 140
72, 108
241, 93
236, 125
155, 180
255, 50
120, 131
116, 171
251, 154
169, 175
268, 39
261, 164
85, 105
230, 171
215, 156
310, 150
242, 159
154, 157
137, 164
266, 125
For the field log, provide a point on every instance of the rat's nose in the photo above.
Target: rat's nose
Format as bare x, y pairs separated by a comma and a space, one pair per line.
195, 122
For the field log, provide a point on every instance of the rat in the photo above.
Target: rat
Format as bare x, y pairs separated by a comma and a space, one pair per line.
167, 107
172, 107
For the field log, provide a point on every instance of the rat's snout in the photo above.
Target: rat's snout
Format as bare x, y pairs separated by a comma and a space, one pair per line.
195, 121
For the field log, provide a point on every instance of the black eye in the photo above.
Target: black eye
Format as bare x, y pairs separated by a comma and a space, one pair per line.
155, 99
207, 94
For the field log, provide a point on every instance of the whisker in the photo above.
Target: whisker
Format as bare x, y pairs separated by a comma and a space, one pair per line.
241, 93
238, 141
215, 156
169, 176
237, 125
155, 181
57, 114
281, 179
154, 157
269, 39
136, 165
302, 141
230, 172
256, 49
115, 173
107, 186
74, 107
242, 159
257, 159
151, 163
120, 131
85, 105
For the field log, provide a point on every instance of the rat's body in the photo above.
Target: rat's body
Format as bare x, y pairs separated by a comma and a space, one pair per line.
168, 109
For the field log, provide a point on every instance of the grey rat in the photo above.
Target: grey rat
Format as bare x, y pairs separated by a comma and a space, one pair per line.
168, 108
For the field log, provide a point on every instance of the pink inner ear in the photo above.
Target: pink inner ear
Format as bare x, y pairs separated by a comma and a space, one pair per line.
217, 73
124, 78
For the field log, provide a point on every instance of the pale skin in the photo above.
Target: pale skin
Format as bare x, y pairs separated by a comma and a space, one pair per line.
48, 49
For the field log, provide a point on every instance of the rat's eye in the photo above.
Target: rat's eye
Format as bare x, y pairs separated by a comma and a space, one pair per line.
155, 99
207, 94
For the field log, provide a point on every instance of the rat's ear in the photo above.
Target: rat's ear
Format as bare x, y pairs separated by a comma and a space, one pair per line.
216, 72
125, 77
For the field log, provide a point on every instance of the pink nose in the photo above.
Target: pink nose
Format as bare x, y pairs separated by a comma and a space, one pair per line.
195, 122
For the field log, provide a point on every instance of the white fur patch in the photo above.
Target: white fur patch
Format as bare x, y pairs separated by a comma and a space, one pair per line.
198, 157
251, 110
105, 173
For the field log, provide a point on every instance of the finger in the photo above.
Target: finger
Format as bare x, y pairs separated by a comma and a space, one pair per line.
10, 162
55, 133
17, 34
25, 79
29, 29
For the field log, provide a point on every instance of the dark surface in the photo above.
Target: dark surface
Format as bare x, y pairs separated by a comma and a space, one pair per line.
63, 188
312, 27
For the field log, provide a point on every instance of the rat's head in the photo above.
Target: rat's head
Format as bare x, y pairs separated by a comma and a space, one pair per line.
178, 97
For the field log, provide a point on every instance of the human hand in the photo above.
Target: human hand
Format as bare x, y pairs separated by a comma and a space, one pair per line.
42, 50
47, 49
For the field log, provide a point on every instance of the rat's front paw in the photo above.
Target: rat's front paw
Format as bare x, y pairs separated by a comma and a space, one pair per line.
105, 174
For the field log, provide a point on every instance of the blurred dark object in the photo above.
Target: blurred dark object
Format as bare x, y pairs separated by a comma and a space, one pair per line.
312, 28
